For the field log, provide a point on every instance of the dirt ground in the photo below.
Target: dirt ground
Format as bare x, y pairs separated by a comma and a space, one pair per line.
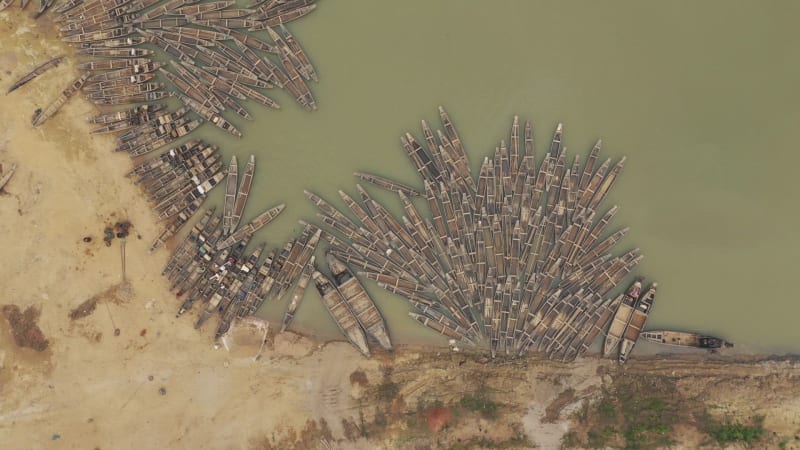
159, 383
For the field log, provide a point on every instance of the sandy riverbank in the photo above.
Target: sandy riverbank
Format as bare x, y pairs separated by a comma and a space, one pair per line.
92, 389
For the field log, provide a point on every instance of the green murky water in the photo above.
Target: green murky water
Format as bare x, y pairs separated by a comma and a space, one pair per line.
702, 98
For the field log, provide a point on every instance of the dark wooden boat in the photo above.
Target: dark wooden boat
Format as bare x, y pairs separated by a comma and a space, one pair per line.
232, 183
341, 313
637, 323
621, 318
244, 192
42, 116
35, 73
685, 339
359, 301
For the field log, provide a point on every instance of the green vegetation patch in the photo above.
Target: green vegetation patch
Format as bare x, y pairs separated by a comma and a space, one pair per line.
738, 432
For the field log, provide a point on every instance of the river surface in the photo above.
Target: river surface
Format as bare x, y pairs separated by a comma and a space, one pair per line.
701, 97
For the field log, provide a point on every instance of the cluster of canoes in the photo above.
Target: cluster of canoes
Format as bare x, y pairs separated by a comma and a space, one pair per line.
213, 267
517, 260
217, 55
514, 259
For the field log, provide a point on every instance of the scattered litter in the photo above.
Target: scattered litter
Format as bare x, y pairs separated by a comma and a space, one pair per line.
117, 331
162, 391
56, 437
87, 239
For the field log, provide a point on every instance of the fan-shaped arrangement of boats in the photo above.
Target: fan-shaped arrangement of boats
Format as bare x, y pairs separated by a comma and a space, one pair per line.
518, 258
219, 55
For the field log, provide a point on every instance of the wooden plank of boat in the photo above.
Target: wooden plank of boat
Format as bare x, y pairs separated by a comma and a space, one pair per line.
244, 191
230, 195
116, 52
621, 318
388, 184
637, 323
297, 294
254, 225
112, 64
65, 95
685, 339
341, 313
362, 305
38, 70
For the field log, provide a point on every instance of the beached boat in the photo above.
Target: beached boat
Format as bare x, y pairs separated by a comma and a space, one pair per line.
42, 116
298, 294
685, 339
621, 318
341, 313
40, 69
637, 323
5, 176
362, 305
242, 194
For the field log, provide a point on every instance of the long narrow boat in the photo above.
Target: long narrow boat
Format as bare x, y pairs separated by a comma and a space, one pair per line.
116, 52
362, 305
621, 319
42, 68
41, 116
254, 225
112, 64
244, 191
118, 83
388, 184
230, 195
341, 312
298, 294
637, 323
685, 339
6, 177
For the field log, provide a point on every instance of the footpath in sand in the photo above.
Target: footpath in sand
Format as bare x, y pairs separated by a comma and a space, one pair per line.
160, 383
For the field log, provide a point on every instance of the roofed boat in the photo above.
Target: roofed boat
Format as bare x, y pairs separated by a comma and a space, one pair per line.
362, 305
